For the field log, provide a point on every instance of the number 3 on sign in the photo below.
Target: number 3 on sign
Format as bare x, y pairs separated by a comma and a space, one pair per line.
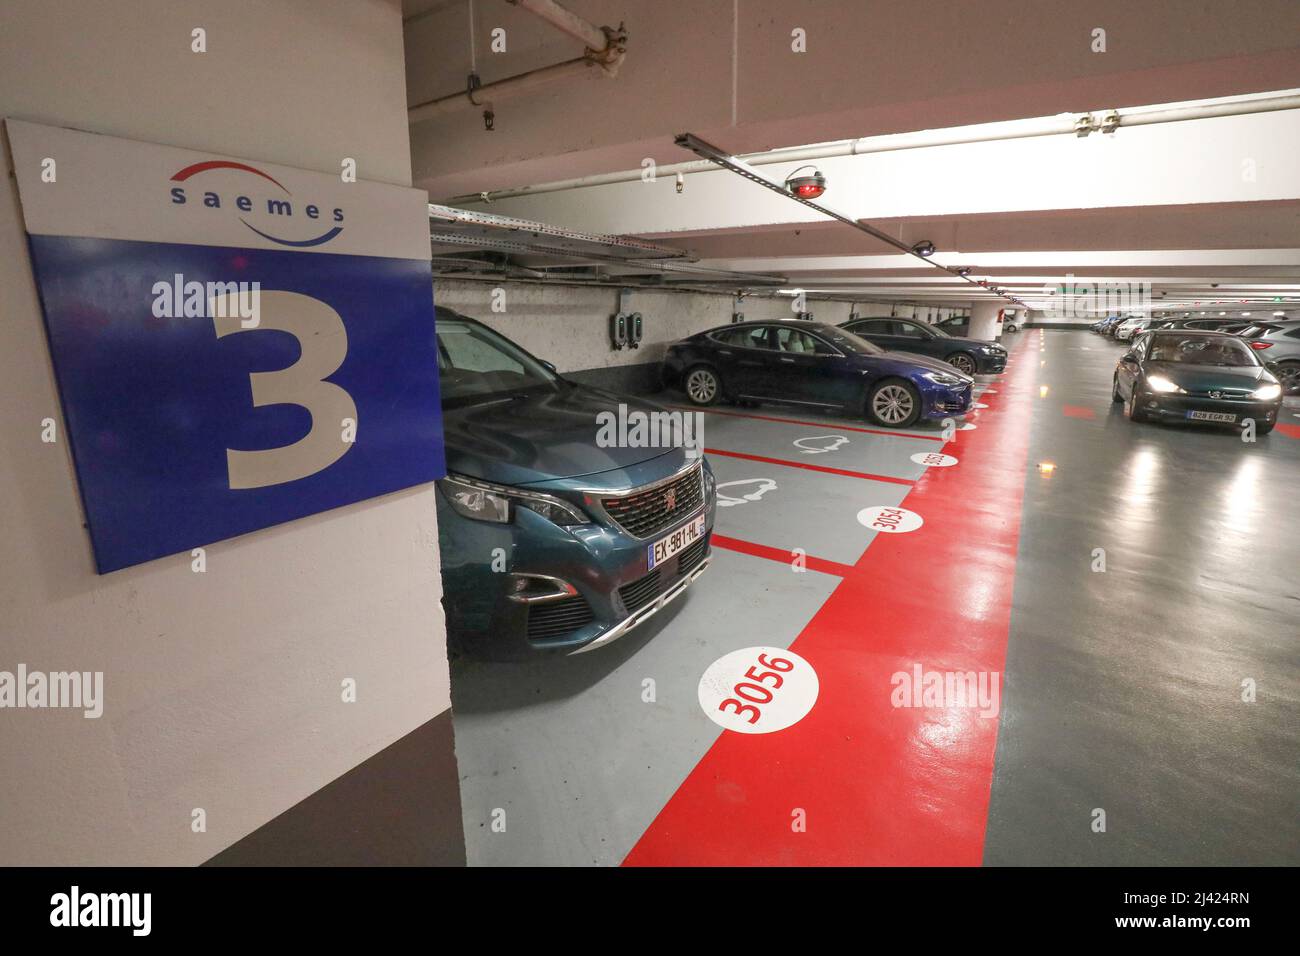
324, 342
758, 690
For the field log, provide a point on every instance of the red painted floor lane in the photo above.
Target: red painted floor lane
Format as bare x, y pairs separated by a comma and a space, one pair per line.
892, 433
1291, 431
879, 784
1078, 411
780, 554
843, 472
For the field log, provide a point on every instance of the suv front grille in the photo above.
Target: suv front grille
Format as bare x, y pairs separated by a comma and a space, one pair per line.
649, 586
644, 514
548, 619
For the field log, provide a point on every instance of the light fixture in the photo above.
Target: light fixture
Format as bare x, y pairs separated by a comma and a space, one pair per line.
805, 187
964, 271
1047, 467
924, 248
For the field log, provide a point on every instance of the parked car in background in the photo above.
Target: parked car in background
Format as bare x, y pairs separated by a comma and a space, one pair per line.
1125, 330
1105, 326
811, 363
957, 325
552, 541
1278, 344
971, 356
1216, 324
1198, 377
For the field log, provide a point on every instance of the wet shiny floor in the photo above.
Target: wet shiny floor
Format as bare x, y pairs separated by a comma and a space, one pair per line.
1122, 688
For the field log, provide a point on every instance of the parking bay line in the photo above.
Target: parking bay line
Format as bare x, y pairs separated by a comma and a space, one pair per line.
780, 554
827, 424
843, 472
880, 784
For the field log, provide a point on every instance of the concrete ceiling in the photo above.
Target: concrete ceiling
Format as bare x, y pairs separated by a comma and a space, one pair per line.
1207, 210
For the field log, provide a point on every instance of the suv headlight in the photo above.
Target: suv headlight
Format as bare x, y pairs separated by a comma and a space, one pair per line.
1267, 393
942, 378
484, 501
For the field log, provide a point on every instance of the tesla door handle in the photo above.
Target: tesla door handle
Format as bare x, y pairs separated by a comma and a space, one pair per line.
788, 361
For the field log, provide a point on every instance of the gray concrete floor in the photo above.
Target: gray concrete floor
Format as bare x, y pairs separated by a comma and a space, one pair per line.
1123, 687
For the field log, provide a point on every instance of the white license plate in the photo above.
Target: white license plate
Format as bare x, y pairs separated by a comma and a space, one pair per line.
1213, 416
667, 546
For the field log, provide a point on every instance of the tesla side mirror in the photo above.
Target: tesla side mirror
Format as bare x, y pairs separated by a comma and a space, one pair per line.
1271, 366
1129, 357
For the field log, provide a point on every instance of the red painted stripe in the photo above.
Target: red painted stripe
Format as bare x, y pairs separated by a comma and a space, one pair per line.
1078, 411
879, 784
782, 555
797, 421
1292, 431
803, 464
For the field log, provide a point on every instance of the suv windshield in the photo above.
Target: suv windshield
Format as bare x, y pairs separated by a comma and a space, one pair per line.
1201, 350
475, 365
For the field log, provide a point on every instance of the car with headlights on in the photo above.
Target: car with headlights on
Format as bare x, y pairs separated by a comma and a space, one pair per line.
798, 362
1185, 375
555, 539
970, 356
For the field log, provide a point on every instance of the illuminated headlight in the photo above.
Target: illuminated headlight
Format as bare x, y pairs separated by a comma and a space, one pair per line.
990, 349
1158, 383
483, 501
942, 378
1266, 393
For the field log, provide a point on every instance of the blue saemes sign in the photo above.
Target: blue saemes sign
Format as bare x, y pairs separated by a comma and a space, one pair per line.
210, 390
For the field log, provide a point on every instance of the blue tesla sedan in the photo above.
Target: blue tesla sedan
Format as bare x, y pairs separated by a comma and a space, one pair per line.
797, 362
554, 540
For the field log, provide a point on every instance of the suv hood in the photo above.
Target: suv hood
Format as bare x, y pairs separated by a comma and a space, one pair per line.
519, 441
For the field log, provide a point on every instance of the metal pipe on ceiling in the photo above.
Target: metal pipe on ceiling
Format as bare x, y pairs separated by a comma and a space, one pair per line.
1063, 124
721, 159
606, 48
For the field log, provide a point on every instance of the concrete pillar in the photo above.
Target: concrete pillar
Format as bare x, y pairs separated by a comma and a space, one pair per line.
984, 320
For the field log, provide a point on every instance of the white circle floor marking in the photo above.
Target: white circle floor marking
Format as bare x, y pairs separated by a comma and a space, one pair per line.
889, 520
966, 427
934, 459
758, 690
978, 405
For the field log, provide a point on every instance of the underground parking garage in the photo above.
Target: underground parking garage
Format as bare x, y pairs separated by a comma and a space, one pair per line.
641, 437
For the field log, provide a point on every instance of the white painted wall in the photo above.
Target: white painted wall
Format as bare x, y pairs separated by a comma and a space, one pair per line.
569, 326
222, 689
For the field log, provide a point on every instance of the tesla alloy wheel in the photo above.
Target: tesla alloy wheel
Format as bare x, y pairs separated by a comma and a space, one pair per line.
962, 363
894, 403
702, 385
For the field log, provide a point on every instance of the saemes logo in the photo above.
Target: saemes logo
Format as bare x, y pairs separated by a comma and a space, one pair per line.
266, 209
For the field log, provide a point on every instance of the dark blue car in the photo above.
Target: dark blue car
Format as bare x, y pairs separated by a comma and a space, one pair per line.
972, 356
552, 539
797, 362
